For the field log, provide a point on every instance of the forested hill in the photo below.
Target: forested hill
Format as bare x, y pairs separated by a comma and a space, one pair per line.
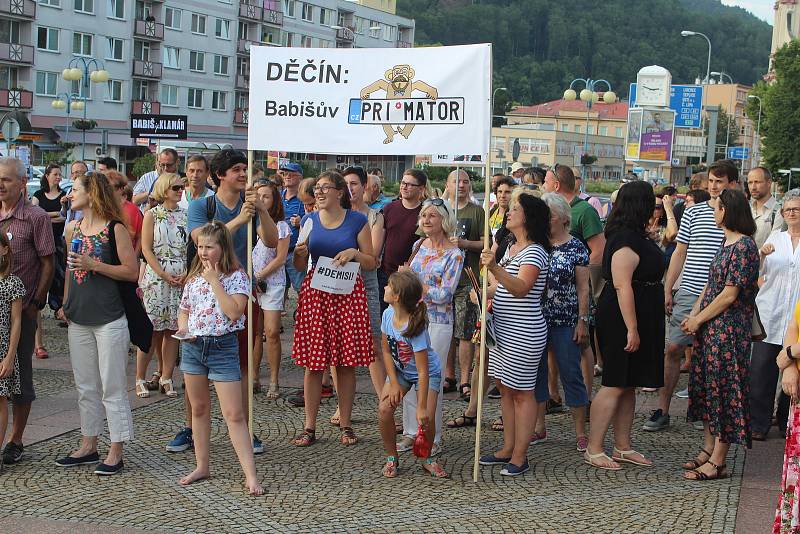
541, 45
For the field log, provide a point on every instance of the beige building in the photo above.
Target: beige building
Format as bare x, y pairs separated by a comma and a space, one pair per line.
733, 99
786, 26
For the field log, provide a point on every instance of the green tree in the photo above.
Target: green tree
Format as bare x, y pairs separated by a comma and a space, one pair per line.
143, 164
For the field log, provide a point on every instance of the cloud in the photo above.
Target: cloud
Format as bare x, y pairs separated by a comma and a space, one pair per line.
760, 8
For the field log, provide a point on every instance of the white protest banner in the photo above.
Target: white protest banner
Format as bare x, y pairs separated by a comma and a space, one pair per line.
375, 101
331, 278
463, 160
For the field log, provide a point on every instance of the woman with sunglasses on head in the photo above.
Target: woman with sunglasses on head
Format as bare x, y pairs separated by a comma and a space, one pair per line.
133, 218
164, 239
721, 320
332, 329
438, 263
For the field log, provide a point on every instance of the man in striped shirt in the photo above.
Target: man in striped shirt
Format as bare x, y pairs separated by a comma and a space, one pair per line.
699, 239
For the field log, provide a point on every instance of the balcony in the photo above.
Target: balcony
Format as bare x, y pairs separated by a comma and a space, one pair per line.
242, 82
243, 46
18, 9
145, 107
16, 99
272, 16
345, 35
240, 117
148, 30
146, 69
19, 54
250, 12
403, 44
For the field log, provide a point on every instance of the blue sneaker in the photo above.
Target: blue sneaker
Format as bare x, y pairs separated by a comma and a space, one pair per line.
511, 470
183, 441
258, 447
491, 459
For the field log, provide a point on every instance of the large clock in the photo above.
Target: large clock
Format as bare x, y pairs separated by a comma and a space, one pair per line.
653, 86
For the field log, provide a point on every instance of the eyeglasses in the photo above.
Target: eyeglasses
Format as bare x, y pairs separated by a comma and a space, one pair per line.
178, 187
408, 184
438, 202
167, 165
324, 188
792, 211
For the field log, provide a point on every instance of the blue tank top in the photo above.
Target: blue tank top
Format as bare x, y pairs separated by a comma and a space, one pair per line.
331, 241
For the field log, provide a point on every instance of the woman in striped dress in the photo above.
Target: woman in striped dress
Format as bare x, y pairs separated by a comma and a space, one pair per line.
519, 327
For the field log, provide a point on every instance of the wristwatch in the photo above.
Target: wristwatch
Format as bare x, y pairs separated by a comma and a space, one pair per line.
38, 303
789, 353
584, 318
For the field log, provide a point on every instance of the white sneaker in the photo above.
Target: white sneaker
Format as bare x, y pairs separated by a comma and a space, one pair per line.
405, 444
683, 394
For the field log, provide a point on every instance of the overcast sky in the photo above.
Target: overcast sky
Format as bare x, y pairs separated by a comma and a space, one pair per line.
760, 8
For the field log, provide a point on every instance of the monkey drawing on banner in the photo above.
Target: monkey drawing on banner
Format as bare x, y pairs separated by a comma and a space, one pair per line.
399, 83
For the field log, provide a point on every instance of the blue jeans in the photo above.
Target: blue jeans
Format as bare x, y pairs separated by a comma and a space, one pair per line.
294, 276
568, 358
216, 357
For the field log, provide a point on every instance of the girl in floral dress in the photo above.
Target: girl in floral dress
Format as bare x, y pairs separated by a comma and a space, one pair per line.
787, 514
11, 293
164, 239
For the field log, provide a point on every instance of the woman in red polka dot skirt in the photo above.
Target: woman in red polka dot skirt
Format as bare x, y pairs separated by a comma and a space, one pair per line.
332, 330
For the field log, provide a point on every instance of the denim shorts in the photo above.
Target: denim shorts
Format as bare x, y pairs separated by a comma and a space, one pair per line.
216, 357
406, 381
568, 358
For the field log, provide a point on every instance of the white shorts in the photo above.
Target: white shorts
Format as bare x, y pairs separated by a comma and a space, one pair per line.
272, 300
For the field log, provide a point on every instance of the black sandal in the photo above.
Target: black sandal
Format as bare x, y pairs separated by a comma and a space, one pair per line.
465, 395
694, 463
700, 476
450, 385
466, 421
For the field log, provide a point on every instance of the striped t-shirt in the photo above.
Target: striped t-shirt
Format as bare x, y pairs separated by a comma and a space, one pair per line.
703, 239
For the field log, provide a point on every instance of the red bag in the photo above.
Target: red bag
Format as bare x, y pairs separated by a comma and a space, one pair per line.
422, 447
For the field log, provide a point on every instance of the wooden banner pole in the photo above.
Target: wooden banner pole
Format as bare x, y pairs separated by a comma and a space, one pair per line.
250, 324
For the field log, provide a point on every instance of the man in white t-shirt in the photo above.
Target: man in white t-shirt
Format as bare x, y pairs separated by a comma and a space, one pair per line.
167, 162
699, 239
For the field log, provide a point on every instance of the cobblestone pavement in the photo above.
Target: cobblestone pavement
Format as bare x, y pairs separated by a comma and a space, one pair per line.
332, 488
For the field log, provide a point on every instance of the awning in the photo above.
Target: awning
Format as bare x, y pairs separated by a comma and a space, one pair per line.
45, 146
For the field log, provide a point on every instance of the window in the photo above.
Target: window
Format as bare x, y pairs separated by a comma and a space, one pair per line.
288, 39
244, 31
51, 3
172, 18
604, 130
47, 39
618, 131
591, 129
114, 50
142, 9
307, 12
116, 9
388, 32
9, 31
114, 91
46, 83
325, 16
223, 29
219, 100
84, 6
169, 95
140, 90
221, 65
305, 41
8, 77
288, 8
195, 98
172, 57
141, 50
359, 24
198, 24
197, 61
577, 129
374, 29
84, 92
242, 100
324, 43
270, 35
243, 66
81, 44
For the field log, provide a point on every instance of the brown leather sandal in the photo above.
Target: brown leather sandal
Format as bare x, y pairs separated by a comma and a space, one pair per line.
348, 437
305, 438
719, 472
694, 463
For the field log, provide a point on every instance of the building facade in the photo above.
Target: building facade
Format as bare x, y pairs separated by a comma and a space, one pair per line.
186, 57
785, 27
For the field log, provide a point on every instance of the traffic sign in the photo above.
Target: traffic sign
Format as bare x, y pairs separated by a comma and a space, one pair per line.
10, 129
738, 152
685, 100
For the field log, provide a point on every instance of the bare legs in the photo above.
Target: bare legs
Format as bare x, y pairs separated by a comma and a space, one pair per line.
519, 414
672, 372
612, 406
466, 352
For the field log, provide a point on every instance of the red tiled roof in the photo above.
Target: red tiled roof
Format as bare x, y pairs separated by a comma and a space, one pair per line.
617, 110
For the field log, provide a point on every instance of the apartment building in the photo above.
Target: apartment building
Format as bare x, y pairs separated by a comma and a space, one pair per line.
187, 57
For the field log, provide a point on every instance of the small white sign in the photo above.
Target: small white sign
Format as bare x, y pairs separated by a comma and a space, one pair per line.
331, 278
305, 231
450, 160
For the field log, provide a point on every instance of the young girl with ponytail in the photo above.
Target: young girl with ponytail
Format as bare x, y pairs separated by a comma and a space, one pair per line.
409, 361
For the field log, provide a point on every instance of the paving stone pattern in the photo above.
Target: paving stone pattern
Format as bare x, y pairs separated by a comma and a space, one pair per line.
332, 488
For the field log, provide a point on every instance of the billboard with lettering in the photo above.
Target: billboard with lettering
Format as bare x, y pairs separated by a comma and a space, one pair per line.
370, 101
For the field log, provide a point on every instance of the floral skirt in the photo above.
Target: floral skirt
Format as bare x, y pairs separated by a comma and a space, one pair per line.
787, 515
332, 330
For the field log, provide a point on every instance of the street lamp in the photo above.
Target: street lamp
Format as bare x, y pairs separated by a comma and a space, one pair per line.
491, 118
688, 33
731, 109
70, 102
78, 69
758, 129
589, 95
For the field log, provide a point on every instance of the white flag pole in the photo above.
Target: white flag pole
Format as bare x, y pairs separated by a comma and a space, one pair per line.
250, 323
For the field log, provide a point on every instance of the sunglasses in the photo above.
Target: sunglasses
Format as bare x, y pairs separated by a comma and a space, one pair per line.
178, 187
438, 202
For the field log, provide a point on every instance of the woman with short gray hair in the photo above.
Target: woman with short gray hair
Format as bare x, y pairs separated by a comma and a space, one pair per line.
779, 290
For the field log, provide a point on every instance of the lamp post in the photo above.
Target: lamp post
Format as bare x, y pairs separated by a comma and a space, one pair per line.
491, 119
589, 95
70, 102
78, 69
758, 130
731, 110
688, 33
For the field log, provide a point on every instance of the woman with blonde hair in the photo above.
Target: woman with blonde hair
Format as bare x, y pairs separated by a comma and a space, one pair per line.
164, 240
98, 331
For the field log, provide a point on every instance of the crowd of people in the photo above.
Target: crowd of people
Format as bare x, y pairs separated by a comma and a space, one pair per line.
705, 283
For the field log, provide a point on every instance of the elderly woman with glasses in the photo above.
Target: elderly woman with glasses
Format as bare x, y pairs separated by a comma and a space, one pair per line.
332, 329
779, 291
721, 319
164, 239
438, 263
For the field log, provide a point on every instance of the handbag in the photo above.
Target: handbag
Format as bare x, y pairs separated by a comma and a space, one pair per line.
757, 331
597, 282
139, 326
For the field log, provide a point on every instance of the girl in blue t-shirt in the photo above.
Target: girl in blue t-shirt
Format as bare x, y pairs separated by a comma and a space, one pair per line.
410, 361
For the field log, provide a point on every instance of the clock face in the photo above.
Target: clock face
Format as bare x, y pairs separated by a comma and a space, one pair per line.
652, 90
